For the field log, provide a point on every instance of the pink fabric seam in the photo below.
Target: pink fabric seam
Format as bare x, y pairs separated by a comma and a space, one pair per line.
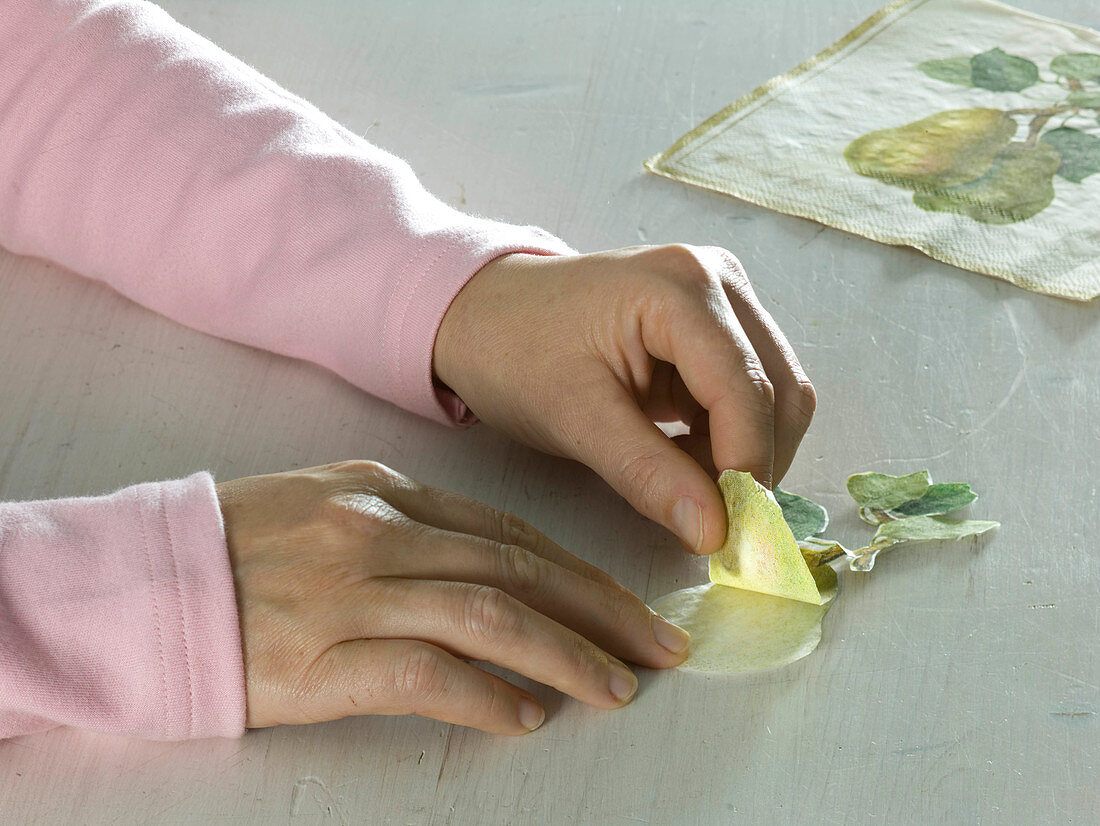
156, 614
183, 615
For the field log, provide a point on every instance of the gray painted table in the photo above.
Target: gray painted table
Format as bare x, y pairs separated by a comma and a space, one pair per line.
955, 684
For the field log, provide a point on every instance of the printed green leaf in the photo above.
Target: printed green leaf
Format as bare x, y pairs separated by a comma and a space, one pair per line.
804, 517
937, 500
1080, 152
1082, 66
929, 529
878, 491
950, 70
999, 71
1085, 99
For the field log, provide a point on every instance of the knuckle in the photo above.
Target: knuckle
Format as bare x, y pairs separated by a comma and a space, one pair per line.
498, 702
622, 609
368, 515
369, 475
642, 473
762, 386
372, 469
522, 572
731, 272
589, 665
804, 400
513, 530
683, 264
761, 389
490, 615
420, 677
675, 253
366, 469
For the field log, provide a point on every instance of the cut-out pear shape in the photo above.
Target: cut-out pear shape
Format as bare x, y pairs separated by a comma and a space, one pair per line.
735, 631
760, 552
942, 150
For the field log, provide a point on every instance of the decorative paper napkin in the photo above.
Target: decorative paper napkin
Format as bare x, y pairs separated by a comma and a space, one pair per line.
965, 128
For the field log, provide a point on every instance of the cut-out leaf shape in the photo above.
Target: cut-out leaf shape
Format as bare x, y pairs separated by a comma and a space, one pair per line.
881, 492
929, 529
937, 500
950, 70
737, 631
999, 71
1084, 99
760, 552
1017, 186
1080, 152
818, 552
1082, 66
863, 560
914, 529
804, 517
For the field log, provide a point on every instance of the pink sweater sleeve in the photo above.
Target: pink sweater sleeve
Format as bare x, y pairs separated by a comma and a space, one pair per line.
117, 613
135, 152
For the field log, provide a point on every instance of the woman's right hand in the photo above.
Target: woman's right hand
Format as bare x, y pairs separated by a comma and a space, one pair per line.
362, 592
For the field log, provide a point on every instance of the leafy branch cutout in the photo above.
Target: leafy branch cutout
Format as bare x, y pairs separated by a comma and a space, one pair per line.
770, 586
905, 509
968, 161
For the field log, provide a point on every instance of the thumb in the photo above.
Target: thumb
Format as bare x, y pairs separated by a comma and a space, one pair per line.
647, 469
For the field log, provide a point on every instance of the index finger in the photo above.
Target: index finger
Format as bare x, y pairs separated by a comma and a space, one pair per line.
795, 399
450, 511
698, 331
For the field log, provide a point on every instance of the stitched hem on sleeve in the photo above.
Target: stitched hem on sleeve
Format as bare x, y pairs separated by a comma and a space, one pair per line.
205, 670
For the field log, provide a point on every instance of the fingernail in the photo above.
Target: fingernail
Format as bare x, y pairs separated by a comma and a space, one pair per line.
531, 714
622, 683
670, 636
687, 519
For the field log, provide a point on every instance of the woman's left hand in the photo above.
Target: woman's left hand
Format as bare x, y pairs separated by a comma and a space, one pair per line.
580, 355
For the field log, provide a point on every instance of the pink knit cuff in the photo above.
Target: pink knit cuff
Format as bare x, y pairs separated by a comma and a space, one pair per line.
205, 640
118, 614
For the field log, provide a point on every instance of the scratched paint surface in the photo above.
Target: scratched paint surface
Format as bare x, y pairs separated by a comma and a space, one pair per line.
961, 678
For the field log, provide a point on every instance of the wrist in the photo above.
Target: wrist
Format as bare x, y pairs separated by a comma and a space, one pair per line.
464, 317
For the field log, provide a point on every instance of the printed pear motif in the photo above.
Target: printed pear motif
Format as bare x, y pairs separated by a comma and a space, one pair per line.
968, 161
940, 151
1018, 185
